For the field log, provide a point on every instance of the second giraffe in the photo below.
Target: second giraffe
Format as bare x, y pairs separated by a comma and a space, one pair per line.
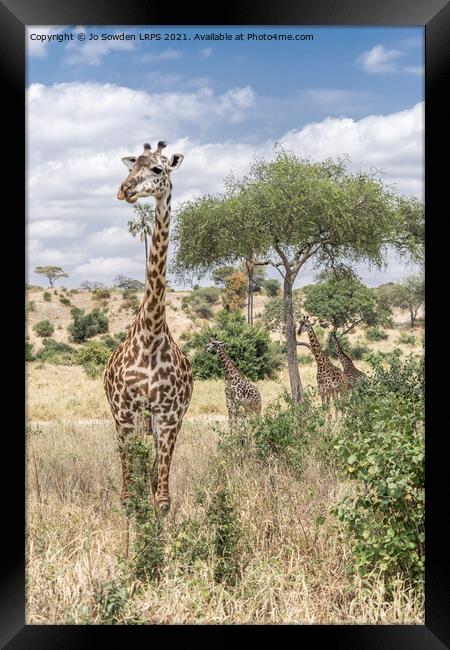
239, 392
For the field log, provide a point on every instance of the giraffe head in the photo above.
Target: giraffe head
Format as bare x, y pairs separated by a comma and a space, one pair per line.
305, 325
149, 173
214, 345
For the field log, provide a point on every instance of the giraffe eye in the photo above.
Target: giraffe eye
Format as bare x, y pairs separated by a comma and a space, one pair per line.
157, 170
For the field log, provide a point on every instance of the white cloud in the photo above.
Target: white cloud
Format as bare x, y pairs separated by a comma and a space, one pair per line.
206, 52
379, 60
92, 52
418, 70
38, 39
78, 132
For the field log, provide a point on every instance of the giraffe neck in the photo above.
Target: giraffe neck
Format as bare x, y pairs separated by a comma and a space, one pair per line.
228, 366
319, 354
347, 363
153, 305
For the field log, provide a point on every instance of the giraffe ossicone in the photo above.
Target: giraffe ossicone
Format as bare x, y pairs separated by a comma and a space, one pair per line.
148, 371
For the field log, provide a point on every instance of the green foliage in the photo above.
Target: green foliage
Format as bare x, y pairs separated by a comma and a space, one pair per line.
199, 301
286, 431
44, 328
65, 301
93, 357
47, 296
53, 273
86, 326
110, 598
375, 334
101, 293
222, 518
148, 550
271, 287
221, 273
407, 339
249, 347
56, 352
381, 447
342, 300
190, 544
29, 351
31, 306
131, 301
410, 295
273, 312
120, 336
123, 282
305, 359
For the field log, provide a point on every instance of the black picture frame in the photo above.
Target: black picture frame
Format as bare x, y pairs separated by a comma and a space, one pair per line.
15, 15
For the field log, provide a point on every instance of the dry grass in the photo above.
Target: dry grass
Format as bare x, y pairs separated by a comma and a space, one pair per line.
291, 570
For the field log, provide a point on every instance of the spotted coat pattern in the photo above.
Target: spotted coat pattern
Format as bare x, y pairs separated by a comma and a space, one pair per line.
148, 371
239, 393
352, 373
331, 381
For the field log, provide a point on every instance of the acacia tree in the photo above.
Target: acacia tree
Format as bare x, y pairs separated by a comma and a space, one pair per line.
410, 295
52, 273
343, 301
290, 211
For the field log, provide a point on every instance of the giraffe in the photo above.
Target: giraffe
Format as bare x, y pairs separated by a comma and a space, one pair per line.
238, 391
148, 371
352, 373
331, 381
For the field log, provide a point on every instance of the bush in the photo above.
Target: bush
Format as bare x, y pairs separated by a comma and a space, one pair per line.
222, 518
249, 347
31, 306
56, 352
110, 342
271, 287
93, 357
199, 301
406, 339
305, 359
65, 301
200, 307
235, 292
47, 296
286, 431
381, 447
29, 351
210, 295
101, 293
131, 301
86, 326
44, 328
120, 336
375, 334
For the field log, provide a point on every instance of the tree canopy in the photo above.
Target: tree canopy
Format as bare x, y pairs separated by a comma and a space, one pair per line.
53, 273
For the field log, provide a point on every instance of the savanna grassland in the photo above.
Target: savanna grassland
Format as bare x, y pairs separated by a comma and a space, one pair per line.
250, 538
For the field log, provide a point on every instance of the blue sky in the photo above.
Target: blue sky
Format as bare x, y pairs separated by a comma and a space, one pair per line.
355, 91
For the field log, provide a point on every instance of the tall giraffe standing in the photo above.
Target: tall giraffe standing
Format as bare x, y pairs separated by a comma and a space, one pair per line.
352, 373
238, 391
148, 371
331, 381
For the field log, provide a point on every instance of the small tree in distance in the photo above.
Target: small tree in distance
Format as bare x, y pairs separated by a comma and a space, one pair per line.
52, 273
410, 295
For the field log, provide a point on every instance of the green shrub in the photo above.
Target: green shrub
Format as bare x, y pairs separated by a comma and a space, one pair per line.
44, 328
93, 357
381, 447
120, 336
375, 334
86, 326
56, 352
129, 293
406, 339
65, 301
286, 431
305, 359
222, 518
190, 544
101, 293
271, 287
29, 351
200, 307
110, 342
249, 347
47, 296
131, 301
31, 306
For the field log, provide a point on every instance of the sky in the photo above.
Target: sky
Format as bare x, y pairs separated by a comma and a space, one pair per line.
94, 96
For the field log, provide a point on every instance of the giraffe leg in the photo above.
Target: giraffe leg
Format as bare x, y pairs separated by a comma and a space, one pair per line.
154, 469
166, 435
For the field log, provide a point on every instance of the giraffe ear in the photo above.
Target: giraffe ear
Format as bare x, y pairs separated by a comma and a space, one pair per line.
175, 161
129, 161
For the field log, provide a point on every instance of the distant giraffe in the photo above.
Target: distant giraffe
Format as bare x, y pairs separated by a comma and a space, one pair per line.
331, 381
148, 371
238, 391
352, 373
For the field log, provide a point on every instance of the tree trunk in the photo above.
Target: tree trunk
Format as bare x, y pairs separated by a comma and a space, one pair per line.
146, 256
291, 340
250, 272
